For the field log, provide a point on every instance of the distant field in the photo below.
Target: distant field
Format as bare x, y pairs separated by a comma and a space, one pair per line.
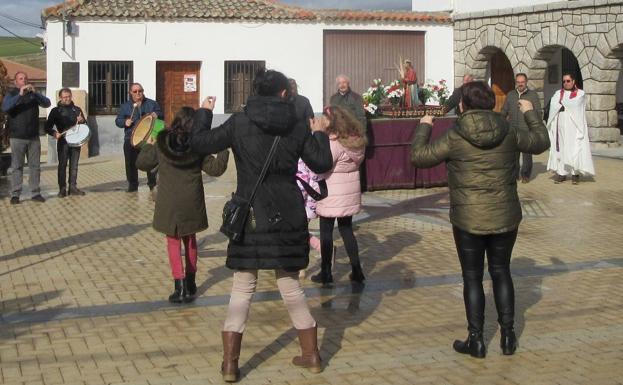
12, 46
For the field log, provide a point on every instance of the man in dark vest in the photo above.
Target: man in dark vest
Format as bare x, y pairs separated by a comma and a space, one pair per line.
511, 112
22, 107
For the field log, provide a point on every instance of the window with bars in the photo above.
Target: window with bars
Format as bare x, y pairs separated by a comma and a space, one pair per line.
109, 83
239, 77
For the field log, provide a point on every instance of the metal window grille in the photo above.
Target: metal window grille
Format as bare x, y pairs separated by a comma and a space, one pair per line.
109, 84
239, 77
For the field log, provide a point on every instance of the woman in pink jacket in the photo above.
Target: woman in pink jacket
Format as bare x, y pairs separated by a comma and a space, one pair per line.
348, 143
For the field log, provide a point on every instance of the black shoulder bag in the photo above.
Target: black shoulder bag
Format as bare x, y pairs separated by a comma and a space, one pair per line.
236, 210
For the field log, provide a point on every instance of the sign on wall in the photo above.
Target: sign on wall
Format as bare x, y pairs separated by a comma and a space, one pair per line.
190, 82
71, 74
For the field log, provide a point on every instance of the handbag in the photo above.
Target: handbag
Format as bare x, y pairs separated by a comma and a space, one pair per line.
236, 210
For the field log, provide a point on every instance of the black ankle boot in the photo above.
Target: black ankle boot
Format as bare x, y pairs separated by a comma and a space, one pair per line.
474, 345
508, 342
357, 274
191, 287
178, 292
324, 276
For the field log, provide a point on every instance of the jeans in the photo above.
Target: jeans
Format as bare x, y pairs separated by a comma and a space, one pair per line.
67, 154
471, 250
31, 149
131, 172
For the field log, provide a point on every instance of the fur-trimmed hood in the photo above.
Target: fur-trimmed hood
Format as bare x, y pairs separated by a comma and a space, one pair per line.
179, 155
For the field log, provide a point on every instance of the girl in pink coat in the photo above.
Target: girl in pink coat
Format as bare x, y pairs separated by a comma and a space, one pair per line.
348, 143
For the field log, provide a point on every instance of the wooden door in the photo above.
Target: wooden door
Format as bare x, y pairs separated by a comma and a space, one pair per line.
502, 78
177, 85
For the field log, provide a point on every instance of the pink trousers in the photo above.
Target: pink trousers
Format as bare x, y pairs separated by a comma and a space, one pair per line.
174, 246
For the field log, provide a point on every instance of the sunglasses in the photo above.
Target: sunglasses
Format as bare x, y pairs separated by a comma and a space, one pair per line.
137, 91
567, 81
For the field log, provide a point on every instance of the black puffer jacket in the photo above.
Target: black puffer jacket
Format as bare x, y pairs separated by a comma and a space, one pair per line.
62, 117
277, 237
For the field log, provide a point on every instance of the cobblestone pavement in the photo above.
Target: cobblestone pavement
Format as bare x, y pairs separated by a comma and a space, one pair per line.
84, 282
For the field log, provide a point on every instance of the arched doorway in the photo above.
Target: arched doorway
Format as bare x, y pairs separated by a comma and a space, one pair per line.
560, 60
501, 77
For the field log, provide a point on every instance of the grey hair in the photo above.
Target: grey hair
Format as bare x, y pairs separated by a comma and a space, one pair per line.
337, 79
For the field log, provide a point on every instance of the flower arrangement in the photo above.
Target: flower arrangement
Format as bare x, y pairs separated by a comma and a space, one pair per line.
394, 92
437, 93
374, 96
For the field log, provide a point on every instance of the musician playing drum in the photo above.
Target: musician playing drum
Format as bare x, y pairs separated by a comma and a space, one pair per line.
130, 113
63, 117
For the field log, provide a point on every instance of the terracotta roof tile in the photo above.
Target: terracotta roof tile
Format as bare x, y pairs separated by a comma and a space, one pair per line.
231, 10
34, 74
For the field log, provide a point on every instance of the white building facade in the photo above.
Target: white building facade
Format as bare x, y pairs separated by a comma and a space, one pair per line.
295, 46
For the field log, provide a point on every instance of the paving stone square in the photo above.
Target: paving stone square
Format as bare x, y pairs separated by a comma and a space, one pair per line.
84, 283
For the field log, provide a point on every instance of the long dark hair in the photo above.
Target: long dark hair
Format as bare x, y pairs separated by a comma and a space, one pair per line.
182, 124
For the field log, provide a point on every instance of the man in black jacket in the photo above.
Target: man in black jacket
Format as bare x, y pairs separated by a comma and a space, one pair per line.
304, 110
22, 107
453, 101
63, 117
347, 98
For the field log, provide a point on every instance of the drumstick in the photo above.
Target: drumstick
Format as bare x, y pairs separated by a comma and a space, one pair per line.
133, 109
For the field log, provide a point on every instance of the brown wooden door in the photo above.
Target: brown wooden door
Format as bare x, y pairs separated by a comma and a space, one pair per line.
502, 78
177, 85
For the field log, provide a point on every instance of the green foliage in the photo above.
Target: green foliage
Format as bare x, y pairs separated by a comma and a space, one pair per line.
12, 46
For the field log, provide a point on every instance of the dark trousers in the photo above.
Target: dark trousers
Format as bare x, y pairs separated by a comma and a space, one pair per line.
66, 155
131, 172
526, 166
345, 227
471, 249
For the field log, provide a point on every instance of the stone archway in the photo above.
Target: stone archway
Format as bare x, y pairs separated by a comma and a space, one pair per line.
478, 57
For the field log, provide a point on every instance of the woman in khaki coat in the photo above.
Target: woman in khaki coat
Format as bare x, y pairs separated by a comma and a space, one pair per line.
180, 210
481, 153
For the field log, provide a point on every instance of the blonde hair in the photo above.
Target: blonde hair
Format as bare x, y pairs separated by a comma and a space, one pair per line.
343, 124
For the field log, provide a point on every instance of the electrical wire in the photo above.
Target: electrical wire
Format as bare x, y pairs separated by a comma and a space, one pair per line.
15, 19
19, 37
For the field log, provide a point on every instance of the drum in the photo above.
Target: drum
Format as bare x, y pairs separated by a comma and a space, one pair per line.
77, 135
148, 125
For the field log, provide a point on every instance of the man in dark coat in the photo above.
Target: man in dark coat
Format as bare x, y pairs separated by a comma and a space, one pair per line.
345, 97
62, 117
515, 117
129, 115
22, 107
453, 101
304, 110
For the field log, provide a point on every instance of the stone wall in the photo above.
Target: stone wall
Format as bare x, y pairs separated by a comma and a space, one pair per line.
591, 29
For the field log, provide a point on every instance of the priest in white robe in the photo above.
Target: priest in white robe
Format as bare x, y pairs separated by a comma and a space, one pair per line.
570, 152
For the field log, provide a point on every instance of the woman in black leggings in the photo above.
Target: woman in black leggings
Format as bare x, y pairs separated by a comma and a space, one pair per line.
481, 153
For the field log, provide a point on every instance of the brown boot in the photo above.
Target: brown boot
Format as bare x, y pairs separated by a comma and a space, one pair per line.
231, 353
310, 358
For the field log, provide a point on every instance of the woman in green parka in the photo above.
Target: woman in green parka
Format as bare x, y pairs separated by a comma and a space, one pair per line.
180, 210
481, 153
